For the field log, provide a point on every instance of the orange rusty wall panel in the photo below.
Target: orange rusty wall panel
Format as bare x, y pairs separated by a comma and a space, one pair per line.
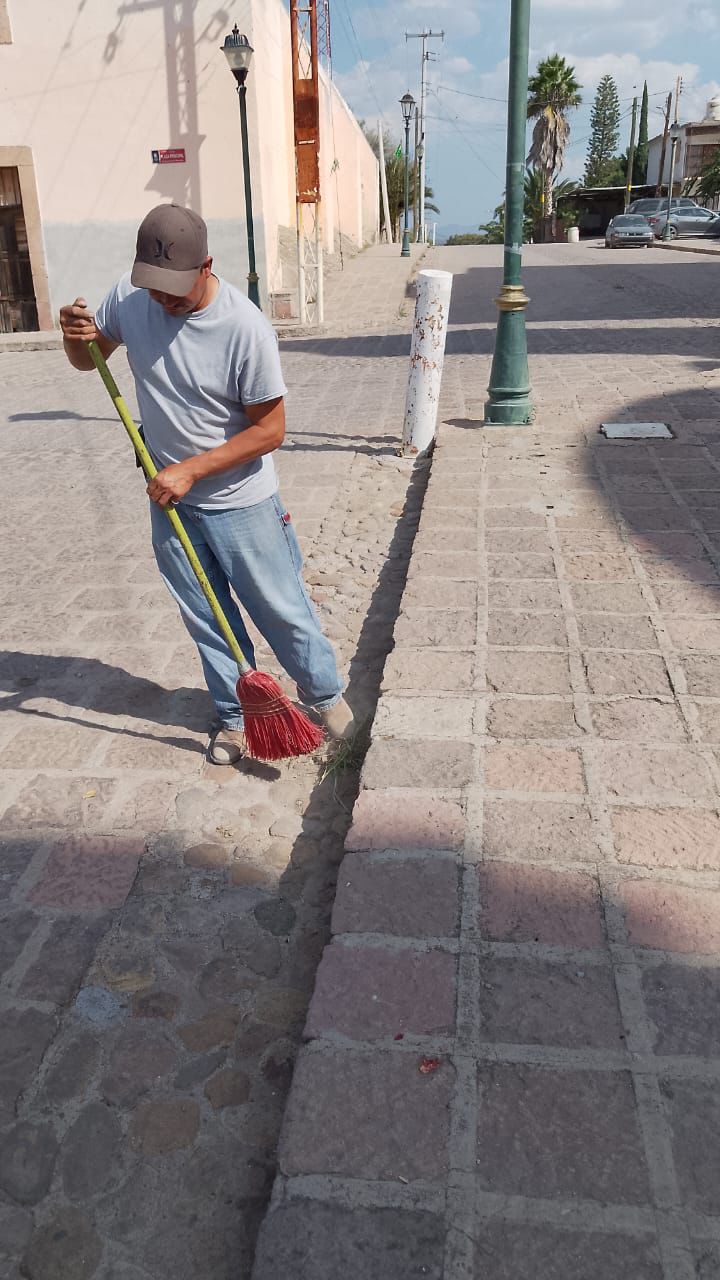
306, 99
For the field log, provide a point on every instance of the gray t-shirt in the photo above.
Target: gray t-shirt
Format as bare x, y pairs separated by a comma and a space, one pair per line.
193, 374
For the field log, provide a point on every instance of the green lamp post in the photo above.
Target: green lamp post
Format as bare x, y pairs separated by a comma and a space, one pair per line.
508, 403
239, 52
407, 104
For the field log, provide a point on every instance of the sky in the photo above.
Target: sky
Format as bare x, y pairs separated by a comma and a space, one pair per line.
632, 40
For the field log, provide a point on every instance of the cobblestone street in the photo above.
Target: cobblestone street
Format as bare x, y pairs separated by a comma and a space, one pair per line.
162, 918
511, 1052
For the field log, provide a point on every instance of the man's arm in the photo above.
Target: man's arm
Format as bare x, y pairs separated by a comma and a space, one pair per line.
266, 433
78, 328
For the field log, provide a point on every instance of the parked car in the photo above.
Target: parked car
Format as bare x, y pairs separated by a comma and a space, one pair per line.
629, 229
686, 222
655, 204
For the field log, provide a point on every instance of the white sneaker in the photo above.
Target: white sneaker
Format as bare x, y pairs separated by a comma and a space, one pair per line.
339, 720
227, 746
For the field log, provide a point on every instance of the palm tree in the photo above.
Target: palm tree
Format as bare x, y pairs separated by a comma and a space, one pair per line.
536, 200
552, 92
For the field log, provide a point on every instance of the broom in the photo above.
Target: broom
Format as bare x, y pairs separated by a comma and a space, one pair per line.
275, 729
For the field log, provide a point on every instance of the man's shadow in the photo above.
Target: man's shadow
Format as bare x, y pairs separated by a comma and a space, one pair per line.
98, 687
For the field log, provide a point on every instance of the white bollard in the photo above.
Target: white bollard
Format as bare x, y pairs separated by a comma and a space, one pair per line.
427, 353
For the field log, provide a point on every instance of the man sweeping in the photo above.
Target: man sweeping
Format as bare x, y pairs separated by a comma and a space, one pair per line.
211, 396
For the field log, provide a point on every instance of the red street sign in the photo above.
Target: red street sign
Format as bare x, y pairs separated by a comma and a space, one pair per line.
174, 155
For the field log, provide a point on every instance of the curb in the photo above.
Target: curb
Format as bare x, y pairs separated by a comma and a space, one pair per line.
49, 340
688, 248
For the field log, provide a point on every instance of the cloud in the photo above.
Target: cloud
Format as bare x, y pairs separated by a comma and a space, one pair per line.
452, 15
457, 66
705, 20
467, 105
630, 72
602, 7
640, 25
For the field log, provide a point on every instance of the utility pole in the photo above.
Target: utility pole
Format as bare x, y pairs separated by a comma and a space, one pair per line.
424, 35
306, 111
674, 139
678, 91
383, 184
416, 167
663, 150
631, 155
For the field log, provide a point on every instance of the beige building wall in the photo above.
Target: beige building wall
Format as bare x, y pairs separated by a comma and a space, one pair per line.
88, 91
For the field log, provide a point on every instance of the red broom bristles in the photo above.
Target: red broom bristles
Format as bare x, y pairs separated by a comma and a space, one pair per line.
274, 728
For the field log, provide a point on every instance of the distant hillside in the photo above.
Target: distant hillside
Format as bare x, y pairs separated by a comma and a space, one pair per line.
452, 229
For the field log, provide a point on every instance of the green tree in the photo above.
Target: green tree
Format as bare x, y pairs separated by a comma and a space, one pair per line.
552, 92
395, 177
605, 135
466, 237
641, 151
707, 186
534, 200
494, 232
616, 174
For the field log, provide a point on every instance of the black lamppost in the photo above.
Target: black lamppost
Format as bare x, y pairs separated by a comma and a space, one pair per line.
239, 52
407, 103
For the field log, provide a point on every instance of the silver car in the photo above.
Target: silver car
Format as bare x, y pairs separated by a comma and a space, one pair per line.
656, 204
629, 229
686, 222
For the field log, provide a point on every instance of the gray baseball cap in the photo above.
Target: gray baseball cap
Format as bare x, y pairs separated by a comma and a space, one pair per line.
171, 248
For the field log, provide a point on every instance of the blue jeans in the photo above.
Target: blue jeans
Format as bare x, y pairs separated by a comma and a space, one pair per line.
253, 550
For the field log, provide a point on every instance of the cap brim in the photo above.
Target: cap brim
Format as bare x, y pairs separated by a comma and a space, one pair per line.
177, 283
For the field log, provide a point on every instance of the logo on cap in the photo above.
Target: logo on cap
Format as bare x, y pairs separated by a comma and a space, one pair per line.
171, 248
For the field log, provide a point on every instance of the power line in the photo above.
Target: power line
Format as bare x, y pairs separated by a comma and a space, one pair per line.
361, 59
449, 120
482, 96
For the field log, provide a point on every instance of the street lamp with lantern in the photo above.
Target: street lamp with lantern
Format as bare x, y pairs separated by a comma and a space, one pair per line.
407, 104
675, 131
239, 52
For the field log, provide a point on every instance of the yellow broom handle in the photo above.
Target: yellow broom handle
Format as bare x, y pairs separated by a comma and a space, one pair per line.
150, 470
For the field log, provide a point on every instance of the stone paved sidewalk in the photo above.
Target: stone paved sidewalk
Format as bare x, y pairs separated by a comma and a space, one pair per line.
161, 920
513, 1056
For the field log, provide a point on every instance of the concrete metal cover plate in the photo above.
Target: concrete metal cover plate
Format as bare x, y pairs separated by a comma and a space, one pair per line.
636, 431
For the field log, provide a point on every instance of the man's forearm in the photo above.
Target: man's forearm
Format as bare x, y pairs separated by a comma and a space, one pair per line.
78, 354
254, 442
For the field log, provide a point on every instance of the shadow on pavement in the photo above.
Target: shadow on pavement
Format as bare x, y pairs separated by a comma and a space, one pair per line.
591, 299
57, 415
668, 492
99, 687
297, 444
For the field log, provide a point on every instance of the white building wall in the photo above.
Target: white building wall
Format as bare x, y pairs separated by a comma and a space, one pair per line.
654, 153
90, 90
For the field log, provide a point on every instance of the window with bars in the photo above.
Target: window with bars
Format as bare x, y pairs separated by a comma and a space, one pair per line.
18, 310
698, 155
9, 188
